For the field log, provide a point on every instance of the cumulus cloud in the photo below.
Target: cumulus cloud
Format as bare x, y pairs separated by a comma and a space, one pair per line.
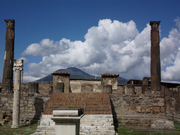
110, 47
24, 59
171, 54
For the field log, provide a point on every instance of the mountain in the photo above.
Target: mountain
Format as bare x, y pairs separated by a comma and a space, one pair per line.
76, 73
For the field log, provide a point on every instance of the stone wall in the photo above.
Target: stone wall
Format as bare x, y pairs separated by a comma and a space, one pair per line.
31, 106
85, 86
131, 106
130, 103
32, 103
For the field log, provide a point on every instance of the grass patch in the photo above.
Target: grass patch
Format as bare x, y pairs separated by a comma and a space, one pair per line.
23, 130
177, 125
122, 130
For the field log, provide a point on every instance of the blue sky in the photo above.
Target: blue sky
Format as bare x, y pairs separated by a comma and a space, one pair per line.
84, 33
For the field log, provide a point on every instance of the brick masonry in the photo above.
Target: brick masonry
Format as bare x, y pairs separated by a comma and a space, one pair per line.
92, 103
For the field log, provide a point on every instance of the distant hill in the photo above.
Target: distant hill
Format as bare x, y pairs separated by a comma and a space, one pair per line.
76, 73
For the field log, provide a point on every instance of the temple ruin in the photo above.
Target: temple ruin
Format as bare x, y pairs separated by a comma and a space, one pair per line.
93, 106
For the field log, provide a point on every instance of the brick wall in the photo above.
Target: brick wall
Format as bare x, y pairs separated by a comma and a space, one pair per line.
92, 103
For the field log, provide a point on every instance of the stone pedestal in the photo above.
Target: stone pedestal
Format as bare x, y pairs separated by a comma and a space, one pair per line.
67, 121
18, 64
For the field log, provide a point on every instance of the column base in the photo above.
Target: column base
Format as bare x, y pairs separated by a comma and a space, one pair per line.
15, 126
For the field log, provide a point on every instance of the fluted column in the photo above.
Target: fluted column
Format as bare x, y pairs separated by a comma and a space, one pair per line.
7, 82
18, 67
155, 57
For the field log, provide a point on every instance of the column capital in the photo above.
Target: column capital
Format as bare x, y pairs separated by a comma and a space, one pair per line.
154, 23
18, 68
10, 23
18, 65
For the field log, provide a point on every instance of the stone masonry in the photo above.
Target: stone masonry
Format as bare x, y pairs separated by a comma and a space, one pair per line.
63, 79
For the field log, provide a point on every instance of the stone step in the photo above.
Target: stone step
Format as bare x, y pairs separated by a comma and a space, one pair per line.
95, 132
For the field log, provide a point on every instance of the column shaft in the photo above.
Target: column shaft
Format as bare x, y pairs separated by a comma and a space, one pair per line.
155, 57
7, 82
16, 101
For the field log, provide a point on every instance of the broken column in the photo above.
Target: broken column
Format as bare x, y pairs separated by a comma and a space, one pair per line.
7, 82
109, 82
61, 82
18, 67
155, 57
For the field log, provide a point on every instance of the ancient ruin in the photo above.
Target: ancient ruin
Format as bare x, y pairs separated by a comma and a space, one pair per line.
155, 57
7, 82
18, 67
104, 103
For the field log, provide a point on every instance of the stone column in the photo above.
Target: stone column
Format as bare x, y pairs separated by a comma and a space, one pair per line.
7, 82
155, 57
18, 64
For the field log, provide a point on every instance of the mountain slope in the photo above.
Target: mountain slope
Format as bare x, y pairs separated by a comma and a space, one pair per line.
76, 73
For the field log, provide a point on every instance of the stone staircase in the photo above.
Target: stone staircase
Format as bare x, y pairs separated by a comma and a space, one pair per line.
97, 119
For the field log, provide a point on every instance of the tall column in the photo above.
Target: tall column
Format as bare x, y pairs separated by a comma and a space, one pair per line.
7, 82
155, 57
18, 67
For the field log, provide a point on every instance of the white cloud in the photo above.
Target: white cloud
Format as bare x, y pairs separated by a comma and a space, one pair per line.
24, 59
110, 47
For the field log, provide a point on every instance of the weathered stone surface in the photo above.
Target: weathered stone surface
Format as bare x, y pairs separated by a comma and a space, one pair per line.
129, 89
109, 79
7, 81
155, 57
59, 77
163, 124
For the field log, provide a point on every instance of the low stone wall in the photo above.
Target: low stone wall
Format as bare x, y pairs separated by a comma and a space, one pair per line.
76, 86
31, 106
133, 107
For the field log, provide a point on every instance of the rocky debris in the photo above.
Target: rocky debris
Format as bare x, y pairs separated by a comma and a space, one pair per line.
163, 124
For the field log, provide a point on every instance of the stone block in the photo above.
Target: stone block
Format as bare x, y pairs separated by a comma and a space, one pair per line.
162, 109
160, 101
4, 99
148, 110
65, 112
156, 109
163, 124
